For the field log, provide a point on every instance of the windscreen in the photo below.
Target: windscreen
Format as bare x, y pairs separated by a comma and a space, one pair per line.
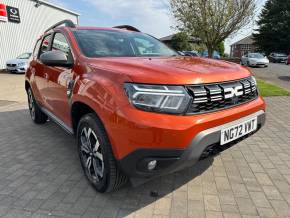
110, 43
281, 55
256, 55
24, 56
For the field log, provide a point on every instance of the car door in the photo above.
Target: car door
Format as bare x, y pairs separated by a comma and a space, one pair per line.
38, 72
58, 82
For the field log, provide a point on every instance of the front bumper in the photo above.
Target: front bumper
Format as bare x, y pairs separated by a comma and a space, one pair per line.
171, 160
16, 69
257, 64
280, 60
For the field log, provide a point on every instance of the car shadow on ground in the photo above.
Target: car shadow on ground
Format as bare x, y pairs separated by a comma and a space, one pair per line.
284, 78
47, 159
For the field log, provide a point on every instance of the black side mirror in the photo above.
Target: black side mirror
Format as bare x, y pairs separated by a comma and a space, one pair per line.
56, 58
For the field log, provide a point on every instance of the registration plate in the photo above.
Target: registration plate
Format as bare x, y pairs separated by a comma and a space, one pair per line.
237, 131
11, 68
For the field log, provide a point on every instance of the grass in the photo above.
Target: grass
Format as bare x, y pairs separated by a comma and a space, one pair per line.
267, 89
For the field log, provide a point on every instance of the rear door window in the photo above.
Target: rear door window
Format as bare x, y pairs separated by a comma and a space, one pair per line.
45, 44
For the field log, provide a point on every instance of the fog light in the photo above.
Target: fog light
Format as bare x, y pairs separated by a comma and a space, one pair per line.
151, 165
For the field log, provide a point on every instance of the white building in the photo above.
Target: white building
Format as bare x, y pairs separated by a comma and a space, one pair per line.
22, 22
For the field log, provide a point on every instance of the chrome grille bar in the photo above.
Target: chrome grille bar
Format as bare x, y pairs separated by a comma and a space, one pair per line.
219, 96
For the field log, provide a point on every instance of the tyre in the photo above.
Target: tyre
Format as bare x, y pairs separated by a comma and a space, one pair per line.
35, 112
96, 155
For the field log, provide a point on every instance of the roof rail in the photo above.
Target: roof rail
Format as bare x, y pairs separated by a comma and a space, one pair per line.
127, 27
67, 23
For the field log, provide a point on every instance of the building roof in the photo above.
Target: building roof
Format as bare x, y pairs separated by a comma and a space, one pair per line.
169, 38
45, 2
245, 41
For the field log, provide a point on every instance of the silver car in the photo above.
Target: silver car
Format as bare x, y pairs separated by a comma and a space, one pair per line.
18, 65
255, 60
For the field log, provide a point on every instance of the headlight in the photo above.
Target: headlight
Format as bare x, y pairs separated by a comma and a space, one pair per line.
158, 98
254, 80
21, 64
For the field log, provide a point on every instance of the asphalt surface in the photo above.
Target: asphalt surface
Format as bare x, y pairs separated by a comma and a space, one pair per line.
278, 74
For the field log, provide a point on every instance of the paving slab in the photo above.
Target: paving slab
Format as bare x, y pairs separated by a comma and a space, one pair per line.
40, 174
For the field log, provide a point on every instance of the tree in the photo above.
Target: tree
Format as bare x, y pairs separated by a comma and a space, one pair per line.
180, 42
212, 20
221, 48
274, 27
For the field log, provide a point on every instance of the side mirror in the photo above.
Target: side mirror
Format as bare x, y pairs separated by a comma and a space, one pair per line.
55, 58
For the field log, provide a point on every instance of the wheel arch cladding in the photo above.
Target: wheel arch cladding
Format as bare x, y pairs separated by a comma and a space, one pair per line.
27, 85
78, 110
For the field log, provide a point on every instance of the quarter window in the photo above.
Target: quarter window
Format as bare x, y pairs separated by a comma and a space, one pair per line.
36, 48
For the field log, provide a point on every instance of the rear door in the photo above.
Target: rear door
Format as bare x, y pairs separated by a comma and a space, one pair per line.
38, 72
58, 81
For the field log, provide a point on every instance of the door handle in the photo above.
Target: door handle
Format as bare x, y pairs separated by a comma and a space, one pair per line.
70, 87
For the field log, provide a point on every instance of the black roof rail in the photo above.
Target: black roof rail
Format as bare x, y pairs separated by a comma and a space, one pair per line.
67, 23
127, 27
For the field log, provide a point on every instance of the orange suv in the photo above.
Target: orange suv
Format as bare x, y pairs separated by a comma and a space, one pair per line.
137, 108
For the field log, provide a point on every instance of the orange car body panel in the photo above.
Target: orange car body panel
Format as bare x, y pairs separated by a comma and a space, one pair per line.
99, 83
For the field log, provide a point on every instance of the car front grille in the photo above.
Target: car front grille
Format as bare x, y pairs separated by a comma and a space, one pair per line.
219, 96
11, 65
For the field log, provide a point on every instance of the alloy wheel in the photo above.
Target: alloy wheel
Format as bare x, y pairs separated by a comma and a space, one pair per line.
31, 104
91, 155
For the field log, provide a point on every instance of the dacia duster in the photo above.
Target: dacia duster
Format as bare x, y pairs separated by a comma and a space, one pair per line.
137, 108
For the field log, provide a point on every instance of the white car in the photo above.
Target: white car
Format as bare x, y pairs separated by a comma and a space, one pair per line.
255, 60
18, 65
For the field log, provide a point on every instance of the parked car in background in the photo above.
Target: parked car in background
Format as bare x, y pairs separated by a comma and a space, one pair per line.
191, 53
255, 60
180, 53
287, 62
18, 65
216, 54
138, 110
277, 57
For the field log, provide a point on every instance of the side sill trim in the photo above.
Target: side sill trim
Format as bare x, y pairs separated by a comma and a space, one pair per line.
57, 121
